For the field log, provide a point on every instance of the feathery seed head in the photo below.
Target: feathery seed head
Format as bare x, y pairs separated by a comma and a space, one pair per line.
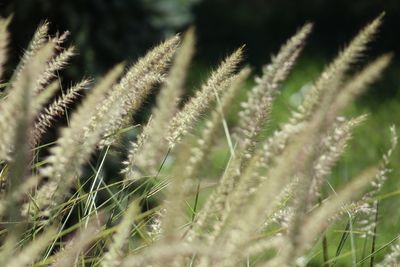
334, 74
4, 39
153, 150
218, 80
128, 95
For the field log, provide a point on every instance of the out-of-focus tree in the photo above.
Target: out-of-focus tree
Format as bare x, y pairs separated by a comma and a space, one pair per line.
105, 32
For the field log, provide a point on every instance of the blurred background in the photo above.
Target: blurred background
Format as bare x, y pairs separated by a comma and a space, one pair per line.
106, 32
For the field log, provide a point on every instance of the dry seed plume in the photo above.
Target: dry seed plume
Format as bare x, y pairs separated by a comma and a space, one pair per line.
56, 64
4, 39
186, 117
58, 107
10, 108
128, 95
39, 39
154, 148
332, 77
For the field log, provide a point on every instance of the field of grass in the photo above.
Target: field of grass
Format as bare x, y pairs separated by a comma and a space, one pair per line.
278, 168
366, 147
